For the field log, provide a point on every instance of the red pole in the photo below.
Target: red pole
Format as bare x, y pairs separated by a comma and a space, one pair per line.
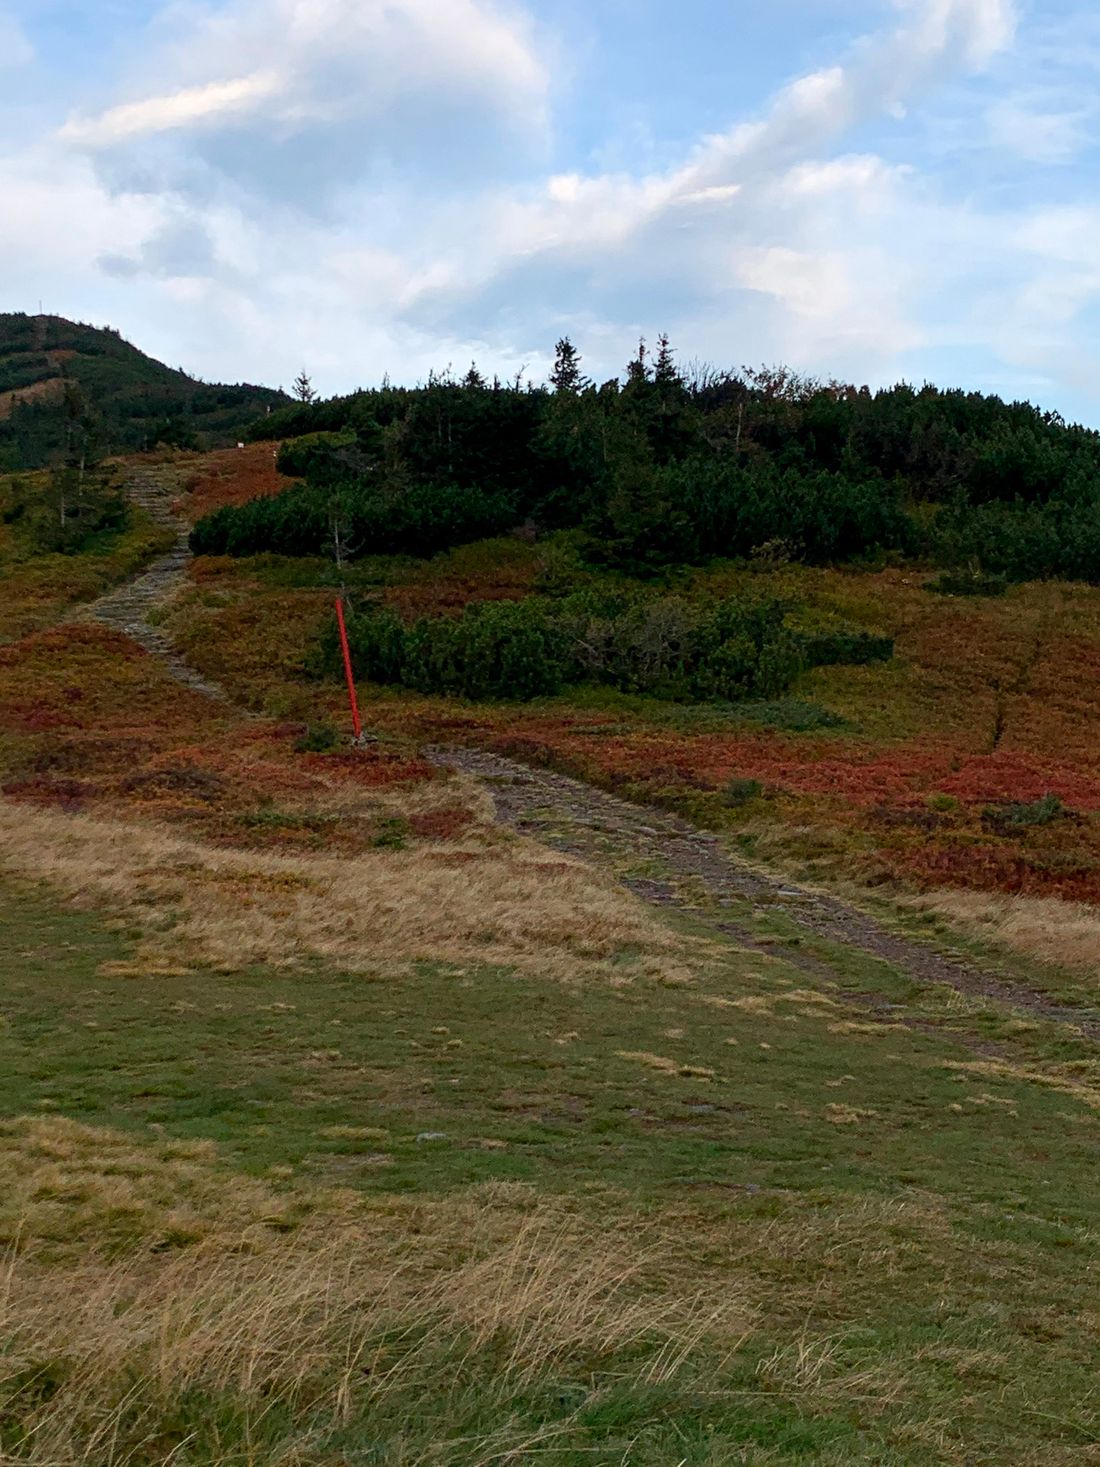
356, 724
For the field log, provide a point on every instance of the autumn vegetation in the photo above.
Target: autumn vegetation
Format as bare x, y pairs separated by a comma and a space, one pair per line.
341, 1124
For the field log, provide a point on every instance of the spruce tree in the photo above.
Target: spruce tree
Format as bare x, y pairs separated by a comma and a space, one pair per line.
637, 370
303, 388
666, 374
566, 375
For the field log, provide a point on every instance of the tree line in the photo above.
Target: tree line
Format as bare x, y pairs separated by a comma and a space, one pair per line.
667, 467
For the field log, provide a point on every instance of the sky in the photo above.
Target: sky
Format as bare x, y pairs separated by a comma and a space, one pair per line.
872, 190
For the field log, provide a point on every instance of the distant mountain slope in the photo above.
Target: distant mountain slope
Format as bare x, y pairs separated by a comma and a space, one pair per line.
53, 370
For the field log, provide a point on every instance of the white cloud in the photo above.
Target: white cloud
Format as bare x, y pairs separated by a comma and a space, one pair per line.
1036, 133
298, 63
752, 209
190, 107
765, 241
880, 77
46, 191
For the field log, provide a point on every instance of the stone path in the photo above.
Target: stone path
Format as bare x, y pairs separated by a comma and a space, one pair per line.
695, 874
127, 607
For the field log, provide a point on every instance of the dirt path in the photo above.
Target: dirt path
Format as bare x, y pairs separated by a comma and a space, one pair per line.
127, 607
691, 871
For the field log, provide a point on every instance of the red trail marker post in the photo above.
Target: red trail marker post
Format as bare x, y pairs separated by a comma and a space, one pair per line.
349, 675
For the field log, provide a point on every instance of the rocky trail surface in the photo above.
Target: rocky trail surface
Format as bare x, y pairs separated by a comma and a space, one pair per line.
127, 607
671, 863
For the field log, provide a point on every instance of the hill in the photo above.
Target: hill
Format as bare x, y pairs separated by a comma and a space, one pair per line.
56, 373
404, 1103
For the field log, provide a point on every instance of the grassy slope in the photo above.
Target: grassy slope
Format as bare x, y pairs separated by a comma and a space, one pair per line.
896, 1233
892, 772
370, 1161
38, 589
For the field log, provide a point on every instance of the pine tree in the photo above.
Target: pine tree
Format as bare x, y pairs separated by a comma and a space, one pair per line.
666, 374
303, 388
473, 377
637, 370
566, 375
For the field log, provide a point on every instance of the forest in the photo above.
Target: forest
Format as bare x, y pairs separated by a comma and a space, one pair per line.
671, 467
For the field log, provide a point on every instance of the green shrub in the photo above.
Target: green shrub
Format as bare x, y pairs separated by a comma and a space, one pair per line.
738, 792
845, 648
319, 738
392, 835
1008, 818
664, 647
1059, 539
496, 649
312, 452
73, 512
685, 651
387, 516
791, 715
943, 804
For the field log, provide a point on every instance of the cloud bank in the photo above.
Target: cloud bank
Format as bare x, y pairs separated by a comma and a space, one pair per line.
388, 185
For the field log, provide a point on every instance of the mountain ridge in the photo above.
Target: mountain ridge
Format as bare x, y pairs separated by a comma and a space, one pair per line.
55, 372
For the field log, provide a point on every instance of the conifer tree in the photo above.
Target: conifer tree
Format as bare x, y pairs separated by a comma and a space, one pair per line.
566, 375
666, 374
637, 370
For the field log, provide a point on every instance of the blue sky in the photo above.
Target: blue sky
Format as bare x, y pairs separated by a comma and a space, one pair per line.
867, 189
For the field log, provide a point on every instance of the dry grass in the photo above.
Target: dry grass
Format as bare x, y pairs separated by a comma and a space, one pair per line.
347, 1315
491, 900
50, 390
1079, 1079
1066, 934
66, 1188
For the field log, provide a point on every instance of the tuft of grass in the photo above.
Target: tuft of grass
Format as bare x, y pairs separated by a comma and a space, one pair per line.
738, 792
233, 1329
1045, 929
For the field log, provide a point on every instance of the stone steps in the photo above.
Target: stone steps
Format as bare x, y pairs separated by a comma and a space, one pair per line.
126, 609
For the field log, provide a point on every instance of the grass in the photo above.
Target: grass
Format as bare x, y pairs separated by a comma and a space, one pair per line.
442, 1212
230, 476
340, 1127
1050, 931
480, 899
38, 589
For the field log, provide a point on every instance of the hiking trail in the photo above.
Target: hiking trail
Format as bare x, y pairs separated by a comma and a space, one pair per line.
693, 873
126, 608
